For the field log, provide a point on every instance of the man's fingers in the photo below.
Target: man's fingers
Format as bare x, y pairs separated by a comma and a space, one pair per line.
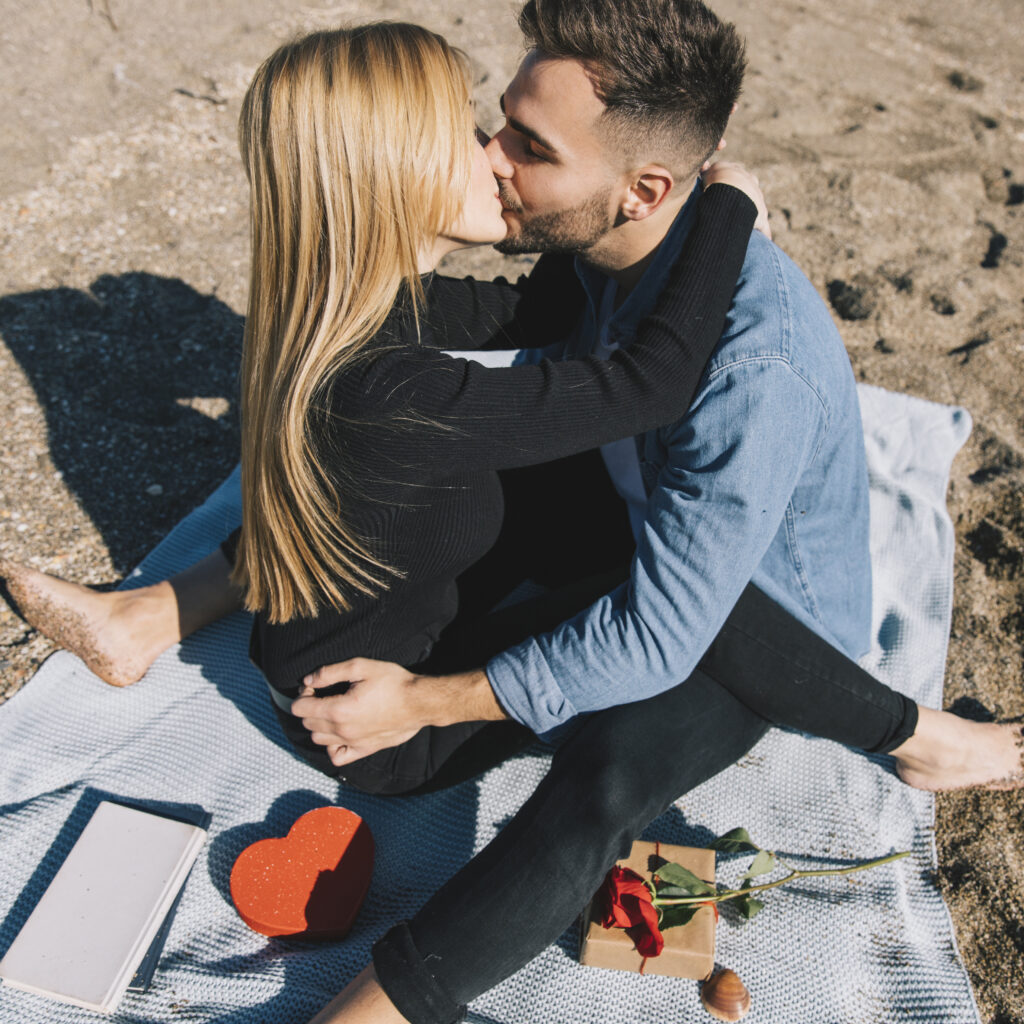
340, 672
338, 753
333, 709
317, 723
342, 755
307, 707
326, 739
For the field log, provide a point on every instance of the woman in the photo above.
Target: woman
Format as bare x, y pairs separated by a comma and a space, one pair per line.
369, 457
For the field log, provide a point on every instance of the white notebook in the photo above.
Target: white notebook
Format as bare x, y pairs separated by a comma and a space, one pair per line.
93, 925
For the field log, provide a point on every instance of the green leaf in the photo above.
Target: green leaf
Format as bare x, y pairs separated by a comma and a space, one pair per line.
735, 841
673, 917
762, 864
748, 906
671, 892
677, 875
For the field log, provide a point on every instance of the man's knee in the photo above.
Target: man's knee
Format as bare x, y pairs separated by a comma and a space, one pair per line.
613, 791
628, 764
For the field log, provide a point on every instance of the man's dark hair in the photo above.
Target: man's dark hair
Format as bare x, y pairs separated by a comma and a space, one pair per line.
668, 71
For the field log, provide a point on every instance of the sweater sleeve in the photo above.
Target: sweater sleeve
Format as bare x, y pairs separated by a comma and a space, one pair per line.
455, 410
538, 310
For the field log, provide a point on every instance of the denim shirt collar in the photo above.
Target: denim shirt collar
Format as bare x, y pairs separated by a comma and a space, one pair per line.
623, 322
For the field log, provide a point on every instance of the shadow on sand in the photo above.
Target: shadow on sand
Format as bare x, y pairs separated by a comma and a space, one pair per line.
137, 379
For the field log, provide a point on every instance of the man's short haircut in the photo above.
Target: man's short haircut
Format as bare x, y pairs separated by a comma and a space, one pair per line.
668, 71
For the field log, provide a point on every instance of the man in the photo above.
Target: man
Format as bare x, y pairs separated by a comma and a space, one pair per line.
608, 120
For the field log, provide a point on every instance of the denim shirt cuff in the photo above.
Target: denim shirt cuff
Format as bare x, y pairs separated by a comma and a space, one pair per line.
527, 690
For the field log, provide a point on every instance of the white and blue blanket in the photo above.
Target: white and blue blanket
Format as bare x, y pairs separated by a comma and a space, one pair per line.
198, 733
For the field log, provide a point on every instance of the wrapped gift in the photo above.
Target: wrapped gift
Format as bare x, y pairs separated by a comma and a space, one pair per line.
689, 950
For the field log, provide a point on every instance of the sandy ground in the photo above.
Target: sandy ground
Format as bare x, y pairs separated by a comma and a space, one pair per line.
889, 137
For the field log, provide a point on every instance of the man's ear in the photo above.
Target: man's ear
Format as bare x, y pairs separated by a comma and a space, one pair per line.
647, 191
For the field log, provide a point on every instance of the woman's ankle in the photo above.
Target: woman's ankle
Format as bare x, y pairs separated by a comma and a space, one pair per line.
147, 617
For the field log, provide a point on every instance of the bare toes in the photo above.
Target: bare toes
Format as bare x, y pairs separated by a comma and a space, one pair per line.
59, 611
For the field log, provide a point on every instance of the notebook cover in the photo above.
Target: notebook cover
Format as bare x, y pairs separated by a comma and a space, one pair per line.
145, 971
92, 927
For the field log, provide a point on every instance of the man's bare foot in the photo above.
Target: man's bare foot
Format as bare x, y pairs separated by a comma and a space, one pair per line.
947, 752
118, 634
362, 1002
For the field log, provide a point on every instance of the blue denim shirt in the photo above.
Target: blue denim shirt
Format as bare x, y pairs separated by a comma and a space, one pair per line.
764, 479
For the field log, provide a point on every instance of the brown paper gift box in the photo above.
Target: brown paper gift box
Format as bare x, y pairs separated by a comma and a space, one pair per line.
689, 949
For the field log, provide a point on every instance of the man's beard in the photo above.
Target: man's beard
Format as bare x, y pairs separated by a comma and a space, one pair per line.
571, 231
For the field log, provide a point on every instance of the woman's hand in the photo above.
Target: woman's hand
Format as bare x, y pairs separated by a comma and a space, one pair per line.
729, 173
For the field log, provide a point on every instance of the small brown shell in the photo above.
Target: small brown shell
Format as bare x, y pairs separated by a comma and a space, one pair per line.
724, 996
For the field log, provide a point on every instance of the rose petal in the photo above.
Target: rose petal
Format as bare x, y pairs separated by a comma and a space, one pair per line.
647, 935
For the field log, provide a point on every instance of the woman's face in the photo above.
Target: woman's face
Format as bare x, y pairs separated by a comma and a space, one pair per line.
480, 222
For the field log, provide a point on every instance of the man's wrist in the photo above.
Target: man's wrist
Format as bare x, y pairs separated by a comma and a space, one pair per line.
462, 697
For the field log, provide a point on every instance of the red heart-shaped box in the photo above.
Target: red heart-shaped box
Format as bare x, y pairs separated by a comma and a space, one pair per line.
311, 883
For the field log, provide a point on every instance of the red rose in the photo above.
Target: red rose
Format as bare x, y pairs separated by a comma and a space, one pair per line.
625, 902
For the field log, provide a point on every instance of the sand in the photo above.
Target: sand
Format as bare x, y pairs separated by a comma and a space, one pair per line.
889, 138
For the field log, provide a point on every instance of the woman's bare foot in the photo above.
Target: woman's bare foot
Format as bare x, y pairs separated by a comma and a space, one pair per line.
118, 634
948, 752
121, 633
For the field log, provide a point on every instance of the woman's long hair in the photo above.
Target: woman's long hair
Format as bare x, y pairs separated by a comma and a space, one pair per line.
357, 146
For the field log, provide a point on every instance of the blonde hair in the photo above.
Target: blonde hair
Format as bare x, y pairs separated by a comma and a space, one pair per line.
358, 146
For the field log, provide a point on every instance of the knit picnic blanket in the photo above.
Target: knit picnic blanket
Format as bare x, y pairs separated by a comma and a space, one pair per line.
198, 734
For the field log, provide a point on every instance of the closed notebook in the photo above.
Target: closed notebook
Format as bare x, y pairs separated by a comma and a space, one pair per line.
91, 929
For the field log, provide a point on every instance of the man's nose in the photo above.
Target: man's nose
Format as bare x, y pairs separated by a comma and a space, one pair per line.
496, 153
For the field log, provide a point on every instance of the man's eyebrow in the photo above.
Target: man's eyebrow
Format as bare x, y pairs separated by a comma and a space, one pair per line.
525, 129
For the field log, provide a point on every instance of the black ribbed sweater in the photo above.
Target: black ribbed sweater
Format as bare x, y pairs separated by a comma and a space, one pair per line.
413, 437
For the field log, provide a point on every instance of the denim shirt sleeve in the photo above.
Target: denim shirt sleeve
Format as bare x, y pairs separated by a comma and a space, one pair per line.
731, 466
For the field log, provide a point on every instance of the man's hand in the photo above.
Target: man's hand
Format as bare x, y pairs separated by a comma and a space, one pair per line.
379, 709
738, 176
386, 705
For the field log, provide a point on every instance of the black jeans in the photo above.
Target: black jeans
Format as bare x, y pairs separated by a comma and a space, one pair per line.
620, 767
